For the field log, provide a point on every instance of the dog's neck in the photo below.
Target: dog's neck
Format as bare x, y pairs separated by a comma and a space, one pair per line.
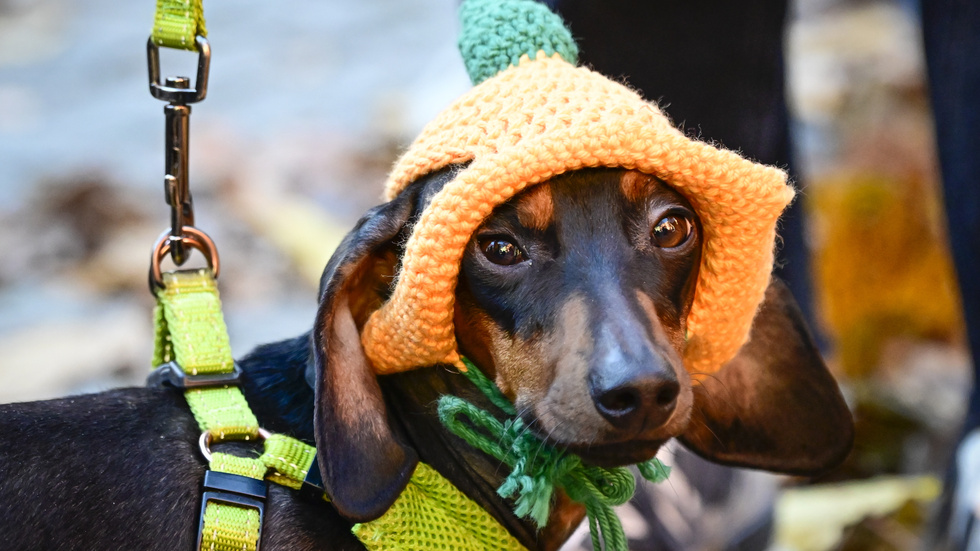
275, 383
411, 398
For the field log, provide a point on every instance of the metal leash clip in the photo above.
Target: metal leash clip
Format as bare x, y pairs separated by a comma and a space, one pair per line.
177, 91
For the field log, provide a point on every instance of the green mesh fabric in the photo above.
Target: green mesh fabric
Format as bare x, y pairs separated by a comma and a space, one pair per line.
177, 23
431, 514
496, 33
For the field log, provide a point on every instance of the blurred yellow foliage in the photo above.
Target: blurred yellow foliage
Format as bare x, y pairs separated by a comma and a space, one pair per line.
882, 266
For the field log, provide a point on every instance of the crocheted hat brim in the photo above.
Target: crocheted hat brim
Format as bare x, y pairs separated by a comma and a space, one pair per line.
540, 119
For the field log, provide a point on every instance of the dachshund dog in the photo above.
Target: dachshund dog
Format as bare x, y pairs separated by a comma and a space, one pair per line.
573, 297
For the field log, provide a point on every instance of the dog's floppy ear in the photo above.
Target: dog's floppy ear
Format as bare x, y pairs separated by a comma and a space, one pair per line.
775, 406
364, 465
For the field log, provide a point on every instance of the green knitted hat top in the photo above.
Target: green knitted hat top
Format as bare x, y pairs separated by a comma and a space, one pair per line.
496, 34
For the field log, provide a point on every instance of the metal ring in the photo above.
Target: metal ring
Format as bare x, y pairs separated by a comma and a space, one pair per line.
204, 442
191, 236
179, 96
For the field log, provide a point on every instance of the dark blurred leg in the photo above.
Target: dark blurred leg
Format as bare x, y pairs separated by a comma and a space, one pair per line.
951, 31
717, 69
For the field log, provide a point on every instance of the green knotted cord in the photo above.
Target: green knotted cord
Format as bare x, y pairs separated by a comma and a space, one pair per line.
538, 468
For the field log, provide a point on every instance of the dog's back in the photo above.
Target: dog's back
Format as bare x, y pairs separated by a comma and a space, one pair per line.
121, 470
75, 470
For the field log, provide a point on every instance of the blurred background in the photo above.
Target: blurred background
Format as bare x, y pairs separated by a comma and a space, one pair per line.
309, 104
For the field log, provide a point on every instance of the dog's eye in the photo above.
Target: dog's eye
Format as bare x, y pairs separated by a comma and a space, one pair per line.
500, 251
672, 230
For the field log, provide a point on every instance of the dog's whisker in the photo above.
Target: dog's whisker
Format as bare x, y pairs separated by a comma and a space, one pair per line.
708, 428
727, 396
548, 438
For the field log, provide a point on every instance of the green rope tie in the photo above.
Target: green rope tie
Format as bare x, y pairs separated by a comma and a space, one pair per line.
538, 468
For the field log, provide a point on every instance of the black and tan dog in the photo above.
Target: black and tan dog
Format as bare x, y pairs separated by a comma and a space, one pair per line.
573, 296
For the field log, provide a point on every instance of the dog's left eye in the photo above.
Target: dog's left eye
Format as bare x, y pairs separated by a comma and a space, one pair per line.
672, 231
501, 251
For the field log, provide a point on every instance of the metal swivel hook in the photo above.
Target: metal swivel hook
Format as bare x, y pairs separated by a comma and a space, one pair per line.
179, 93
175, 183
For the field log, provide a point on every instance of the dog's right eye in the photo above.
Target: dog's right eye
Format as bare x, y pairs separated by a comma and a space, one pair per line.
672, 231
501, 251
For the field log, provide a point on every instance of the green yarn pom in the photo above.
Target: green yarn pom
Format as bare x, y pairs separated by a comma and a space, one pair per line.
496, 33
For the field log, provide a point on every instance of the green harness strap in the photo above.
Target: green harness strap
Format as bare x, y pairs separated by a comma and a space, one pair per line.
190, 331
191, 336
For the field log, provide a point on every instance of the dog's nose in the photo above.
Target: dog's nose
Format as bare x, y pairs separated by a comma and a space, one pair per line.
647, 399
632, 383
632, 386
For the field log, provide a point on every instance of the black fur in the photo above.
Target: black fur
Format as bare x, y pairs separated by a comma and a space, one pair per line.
274, 377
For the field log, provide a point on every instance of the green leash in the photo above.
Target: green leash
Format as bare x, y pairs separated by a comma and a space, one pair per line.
178, 23
538, 468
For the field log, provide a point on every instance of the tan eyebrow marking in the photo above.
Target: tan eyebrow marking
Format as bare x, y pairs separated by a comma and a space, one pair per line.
635, 185
535, 208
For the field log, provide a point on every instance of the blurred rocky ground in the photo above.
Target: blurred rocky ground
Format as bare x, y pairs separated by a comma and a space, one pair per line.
309, 104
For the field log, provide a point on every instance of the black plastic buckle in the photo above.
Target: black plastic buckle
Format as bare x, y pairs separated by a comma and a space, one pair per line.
171, 374
232, 489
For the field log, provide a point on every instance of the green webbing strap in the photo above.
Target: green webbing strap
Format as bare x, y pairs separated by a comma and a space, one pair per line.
228, 527
177, 23
188, 308
190, 331
288, 460
232, 528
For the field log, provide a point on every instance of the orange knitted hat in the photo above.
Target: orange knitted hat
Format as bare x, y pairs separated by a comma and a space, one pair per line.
537, 118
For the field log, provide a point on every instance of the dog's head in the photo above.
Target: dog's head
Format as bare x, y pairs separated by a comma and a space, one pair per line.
618, 307
575, 297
